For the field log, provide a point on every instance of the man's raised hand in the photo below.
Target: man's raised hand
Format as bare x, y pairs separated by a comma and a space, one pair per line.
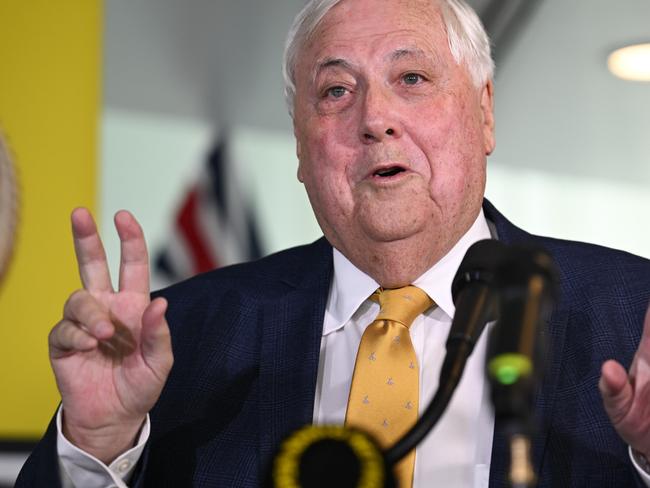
111, 353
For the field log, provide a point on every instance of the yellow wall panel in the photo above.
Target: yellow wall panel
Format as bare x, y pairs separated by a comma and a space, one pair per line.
50, 68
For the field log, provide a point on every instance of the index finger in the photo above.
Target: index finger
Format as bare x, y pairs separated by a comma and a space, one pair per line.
91, 257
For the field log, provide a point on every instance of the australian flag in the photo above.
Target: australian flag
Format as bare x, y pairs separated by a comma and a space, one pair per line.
214, 226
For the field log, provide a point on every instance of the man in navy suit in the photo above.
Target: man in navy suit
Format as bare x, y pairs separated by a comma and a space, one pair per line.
392, 111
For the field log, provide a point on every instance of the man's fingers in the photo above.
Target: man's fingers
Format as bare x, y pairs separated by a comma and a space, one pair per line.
156, 340
68, 337
616, 391
91, 257
134, 261
85, 310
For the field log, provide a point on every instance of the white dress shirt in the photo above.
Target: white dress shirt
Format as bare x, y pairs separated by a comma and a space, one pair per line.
456, 453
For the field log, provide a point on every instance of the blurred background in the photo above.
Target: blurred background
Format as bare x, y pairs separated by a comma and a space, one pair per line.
175, 111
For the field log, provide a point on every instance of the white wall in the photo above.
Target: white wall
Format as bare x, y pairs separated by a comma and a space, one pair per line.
559, 110
606, 212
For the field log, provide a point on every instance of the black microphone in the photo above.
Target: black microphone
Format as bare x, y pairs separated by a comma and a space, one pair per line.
527, 281
476, 304
474, 293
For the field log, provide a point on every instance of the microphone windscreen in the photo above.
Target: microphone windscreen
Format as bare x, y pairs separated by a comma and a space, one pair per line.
479, 264
330, 456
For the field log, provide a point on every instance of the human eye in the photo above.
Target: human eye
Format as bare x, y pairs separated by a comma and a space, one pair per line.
335, 91
412, 78
335, 95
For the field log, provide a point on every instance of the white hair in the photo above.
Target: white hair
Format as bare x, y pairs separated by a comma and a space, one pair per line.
468, 41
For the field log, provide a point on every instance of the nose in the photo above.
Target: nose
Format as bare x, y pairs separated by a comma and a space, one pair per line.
379, 117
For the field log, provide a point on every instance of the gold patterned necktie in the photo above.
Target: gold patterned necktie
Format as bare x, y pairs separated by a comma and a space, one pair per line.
385, 385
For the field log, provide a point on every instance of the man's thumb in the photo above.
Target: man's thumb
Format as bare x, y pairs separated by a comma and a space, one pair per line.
616, 391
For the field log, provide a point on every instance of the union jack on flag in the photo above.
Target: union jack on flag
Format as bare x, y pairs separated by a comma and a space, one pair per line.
213, 227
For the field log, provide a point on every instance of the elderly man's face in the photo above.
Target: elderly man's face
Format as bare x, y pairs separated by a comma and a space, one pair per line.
392, 135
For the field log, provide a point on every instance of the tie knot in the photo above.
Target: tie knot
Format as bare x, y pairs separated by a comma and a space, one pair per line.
401, 304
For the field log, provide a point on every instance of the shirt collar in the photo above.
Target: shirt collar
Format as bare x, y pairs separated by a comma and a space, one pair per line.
351, 286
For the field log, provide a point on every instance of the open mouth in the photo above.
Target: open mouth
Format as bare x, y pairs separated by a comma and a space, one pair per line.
388, 172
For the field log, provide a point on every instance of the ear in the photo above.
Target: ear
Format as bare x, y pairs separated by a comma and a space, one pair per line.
487, 109
298, 154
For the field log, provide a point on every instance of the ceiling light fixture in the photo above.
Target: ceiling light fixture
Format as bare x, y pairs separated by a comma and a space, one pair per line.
631, 62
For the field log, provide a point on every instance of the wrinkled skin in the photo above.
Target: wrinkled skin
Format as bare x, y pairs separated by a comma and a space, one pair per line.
377, 87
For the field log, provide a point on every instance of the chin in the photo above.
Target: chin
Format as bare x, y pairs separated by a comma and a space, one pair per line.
384, 232
390, 225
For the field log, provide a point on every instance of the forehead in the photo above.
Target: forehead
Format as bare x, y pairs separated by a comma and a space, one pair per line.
369, 27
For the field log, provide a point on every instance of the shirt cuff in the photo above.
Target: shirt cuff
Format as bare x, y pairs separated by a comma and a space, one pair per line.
78, 468
641, 465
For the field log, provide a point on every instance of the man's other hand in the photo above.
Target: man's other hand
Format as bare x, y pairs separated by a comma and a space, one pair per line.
626, 396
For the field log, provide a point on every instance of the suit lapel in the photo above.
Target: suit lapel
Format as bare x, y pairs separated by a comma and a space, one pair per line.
292, 329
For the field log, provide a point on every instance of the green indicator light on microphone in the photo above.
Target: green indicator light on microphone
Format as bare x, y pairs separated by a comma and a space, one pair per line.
508, 368
507, 375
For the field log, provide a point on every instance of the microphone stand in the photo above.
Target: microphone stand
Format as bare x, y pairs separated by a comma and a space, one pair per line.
527, 281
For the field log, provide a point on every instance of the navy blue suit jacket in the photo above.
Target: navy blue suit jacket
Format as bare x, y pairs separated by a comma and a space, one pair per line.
246, 342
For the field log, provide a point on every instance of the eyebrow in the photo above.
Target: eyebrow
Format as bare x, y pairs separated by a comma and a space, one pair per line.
408, 53
332, 62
